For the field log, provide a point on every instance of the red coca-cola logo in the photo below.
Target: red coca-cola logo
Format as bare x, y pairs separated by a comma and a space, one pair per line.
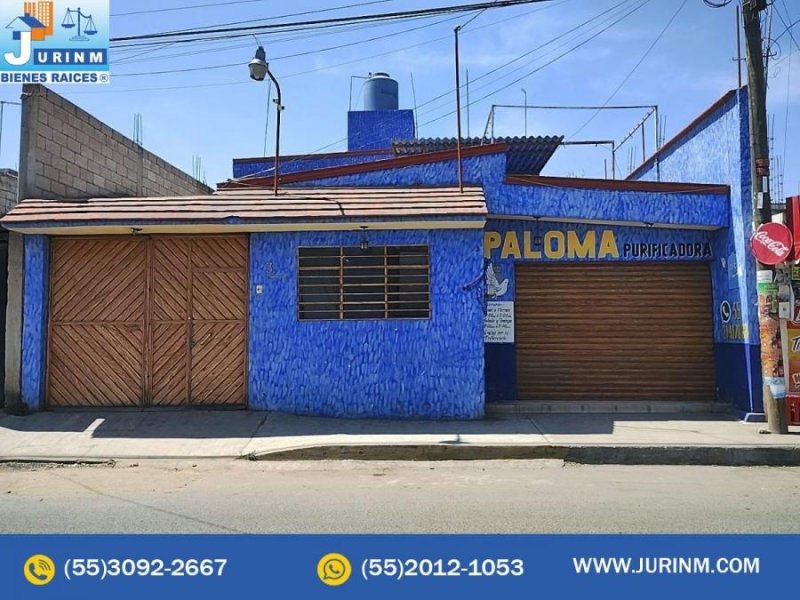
771, 243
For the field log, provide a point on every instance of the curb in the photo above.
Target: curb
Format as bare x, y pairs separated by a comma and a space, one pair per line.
739, 456
109, 460
89, 462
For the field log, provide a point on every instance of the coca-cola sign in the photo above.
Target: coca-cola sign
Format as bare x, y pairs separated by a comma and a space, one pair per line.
771, 243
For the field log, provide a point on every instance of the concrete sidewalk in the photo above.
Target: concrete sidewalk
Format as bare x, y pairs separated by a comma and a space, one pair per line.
592, 438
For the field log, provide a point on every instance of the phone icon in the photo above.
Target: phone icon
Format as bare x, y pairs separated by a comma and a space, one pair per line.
39, 569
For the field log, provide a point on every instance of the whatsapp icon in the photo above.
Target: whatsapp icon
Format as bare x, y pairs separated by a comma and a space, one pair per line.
334, 569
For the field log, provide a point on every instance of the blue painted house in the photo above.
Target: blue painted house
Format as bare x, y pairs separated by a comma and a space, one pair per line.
371, 286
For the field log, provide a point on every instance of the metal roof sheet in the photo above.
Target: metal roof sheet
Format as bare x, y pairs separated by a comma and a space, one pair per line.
524, 155
256, 205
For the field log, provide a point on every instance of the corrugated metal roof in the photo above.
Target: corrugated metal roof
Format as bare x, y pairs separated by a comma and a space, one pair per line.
256, 205
524, 155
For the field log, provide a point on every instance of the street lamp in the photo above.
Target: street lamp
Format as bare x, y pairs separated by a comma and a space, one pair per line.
525, 93
259, 70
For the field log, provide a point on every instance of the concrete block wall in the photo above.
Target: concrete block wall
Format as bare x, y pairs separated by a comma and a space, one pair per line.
68, 153
8, 190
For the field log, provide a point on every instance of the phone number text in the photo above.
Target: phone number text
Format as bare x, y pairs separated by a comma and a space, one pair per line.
144, 567
399, 568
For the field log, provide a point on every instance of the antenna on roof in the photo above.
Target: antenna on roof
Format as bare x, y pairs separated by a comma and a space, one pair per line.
414, 95
197, 168
351, 89
138, 128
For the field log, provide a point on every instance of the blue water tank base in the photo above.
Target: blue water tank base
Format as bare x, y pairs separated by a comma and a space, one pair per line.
381, 92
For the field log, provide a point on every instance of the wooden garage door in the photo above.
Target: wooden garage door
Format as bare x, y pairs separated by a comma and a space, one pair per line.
148, 322
97, 322
624, 331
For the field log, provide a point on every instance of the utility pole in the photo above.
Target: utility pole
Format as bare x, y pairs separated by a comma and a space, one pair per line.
762, 206
757, 93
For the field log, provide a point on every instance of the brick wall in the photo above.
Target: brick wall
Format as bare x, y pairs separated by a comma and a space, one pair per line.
68, 153
8, 190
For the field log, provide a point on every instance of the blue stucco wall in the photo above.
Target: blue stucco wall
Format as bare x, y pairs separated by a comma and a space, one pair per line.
674, 209
377, 129
676, 216
548, 202
717, 150
372, 368
301, 164
34, 324
487, 170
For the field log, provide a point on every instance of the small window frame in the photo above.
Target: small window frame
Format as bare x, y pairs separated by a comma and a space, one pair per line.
348, 283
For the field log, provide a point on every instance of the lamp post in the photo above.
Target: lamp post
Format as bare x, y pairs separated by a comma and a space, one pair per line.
259, 70
525, 94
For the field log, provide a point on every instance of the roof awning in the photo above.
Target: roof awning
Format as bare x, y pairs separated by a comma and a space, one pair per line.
228, 211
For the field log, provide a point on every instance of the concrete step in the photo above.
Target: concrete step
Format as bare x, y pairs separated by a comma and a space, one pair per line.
603, 406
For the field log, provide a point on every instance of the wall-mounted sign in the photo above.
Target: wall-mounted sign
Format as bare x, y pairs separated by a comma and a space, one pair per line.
771, 350
496, 284
725, 311
771, 243
591, 244
793, 343
733, 327
793, 223
499, 323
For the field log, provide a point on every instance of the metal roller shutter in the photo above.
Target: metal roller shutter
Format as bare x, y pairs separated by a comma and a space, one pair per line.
614, 331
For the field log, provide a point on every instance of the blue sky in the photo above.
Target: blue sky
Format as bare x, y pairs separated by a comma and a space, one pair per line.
691, 66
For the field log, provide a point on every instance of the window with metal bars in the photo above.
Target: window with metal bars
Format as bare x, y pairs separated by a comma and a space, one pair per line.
379, 282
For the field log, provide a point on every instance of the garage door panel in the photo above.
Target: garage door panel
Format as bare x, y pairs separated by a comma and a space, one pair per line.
170, 272
94, 282
218, 363
169, 364
212, 292
623, 331
96, 365
220, 253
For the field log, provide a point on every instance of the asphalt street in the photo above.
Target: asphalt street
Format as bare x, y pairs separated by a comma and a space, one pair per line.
216, 496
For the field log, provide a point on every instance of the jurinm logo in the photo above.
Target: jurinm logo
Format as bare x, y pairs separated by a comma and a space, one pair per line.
54, 41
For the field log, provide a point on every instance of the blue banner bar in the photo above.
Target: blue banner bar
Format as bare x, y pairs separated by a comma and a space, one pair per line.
397, 566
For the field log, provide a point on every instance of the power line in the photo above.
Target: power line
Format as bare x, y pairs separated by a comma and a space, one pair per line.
584, 42
298, 54
547, 64
788, 30
337, 32
238, 31
601, 19
524, 55
217, 4
165, 88
633, 70
788, 27
333, 66
221, 46
299, 14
